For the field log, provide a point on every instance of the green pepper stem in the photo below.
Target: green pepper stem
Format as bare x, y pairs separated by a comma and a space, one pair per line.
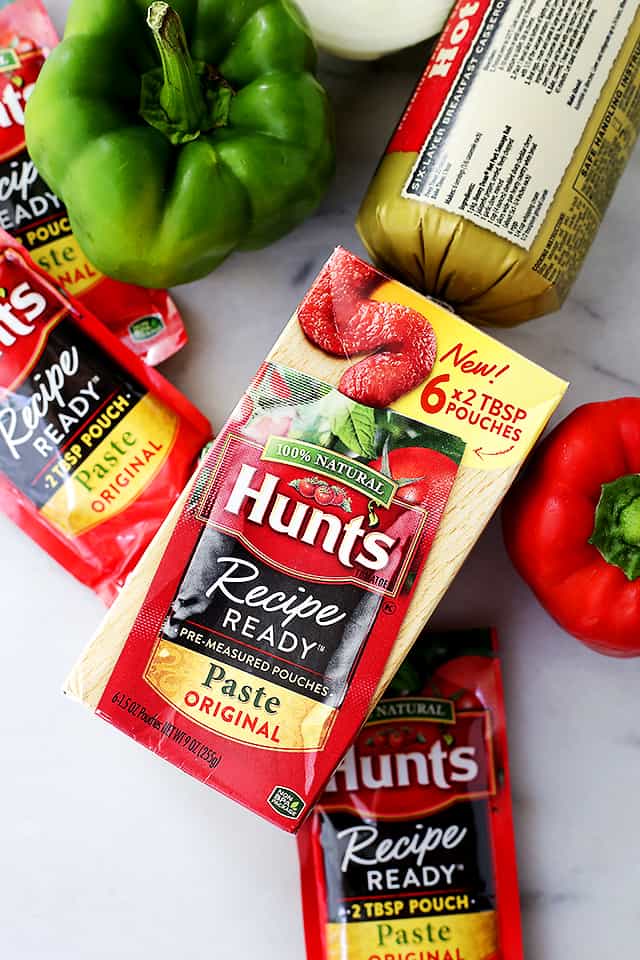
181, 95
616, 532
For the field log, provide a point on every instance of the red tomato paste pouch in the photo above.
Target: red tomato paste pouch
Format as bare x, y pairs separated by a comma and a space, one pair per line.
410, 853
281, 592
145, 320
95, 446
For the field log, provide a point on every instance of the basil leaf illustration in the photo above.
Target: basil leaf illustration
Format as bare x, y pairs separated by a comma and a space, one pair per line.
355, 426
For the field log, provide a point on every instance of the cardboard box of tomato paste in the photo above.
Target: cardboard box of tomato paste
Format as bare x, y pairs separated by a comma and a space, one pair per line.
325, 523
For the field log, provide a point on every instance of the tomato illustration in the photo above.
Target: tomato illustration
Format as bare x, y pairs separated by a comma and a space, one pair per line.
397, 739
328, 308
338, 496
339, 318
459, 679
372, 741
25, 45
20, 44
324, 495
431, 473
307, 487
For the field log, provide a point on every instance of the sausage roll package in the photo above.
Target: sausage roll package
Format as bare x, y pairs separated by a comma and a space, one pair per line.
95, 446
410, 853
497, 177
147, 321
324, 525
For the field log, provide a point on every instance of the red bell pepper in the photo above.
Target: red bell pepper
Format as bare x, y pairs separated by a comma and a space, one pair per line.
572, 525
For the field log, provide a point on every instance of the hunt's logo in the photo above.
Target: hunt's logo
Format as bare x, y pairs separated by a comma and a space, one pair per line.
13, 101
19, 310
258, 503
18, 75
333, 466
417, 764
26, 309
348, 541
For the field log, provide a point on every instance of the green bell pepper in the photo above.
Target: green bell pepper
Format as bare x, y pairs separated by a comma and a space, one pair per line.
176, 135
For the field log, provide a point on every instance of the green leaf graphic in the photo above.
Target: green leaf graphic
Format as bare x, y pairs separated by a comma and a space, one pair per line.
355, 426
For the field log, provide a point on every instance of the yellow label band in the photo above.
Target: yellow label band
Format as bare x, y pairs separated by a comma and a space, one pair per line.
479, 389
471, 936
65, 262
238, 705
120, 467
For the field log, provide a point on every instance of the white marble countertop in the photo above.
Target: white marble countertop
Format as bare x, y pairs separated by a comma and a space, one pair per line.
108, 852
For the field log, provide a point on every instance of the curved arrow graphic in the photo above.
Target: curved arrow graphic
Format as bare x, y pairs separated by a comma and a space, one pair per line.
481, 453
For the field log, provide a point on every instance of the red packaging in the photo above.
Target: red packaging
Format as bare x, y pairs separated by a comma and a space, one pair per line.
95, 446
290, 581
410, 853
280, 593
147, 321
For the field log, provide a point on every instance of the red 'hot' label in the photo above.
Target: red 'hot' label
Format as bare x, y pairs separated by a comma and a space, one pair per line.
441, 73
281, 592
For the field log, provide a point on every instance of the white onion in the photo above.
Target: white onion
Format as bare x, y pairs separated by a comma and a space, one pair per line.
368, 29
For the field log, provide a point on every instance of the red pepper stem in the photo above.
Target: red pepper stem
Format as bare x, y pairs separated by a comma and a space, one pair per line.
181, 96
616, 532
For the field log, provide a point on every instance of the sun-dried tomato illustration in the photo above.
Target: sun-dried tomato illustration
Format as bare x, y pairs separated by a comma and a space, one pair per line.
343, 285
339, 319
405, 352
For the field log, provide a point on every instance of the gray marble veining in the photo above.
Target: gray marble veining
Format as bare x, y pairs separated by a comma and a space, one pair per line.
107, 852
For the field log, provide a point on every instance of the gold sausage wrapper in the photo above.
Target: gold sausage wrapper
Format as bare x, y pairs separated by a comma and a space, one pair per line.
497, 178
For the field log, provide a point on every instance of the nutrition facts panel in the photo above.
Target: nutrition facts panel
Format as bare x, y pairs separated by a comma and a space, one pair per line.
544, 63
